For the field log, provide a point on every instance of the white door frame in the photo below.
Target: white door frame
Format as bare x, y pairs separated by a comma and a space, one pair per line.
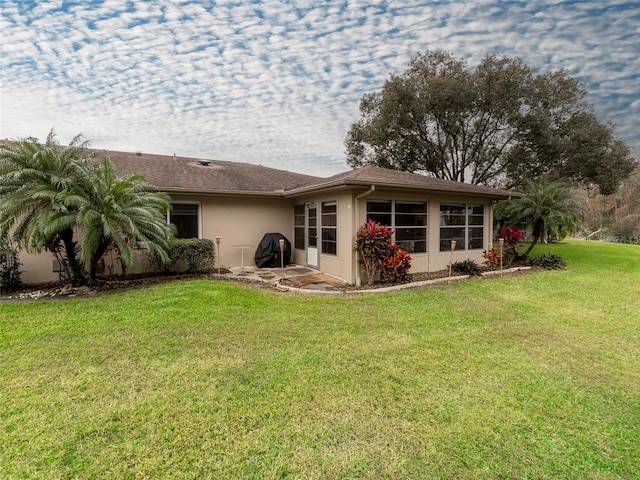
312, 229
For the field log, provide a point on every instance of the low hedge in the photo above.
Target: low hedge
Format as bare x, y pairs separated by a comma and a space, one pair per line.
192, 255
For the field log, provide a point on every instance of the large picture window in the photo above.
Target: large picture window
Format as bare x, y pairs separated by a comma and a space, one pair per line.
185, 216
464, 224
408, 219
298, 227
329, 222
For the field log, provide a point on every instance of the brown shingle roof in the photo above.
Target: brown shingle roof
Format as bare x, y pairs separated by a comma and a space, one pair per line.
192, 175
383, 177
181, 174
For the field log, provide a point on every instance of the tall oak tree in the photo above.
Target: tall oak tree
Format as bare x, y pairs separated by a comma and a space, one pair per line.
498, 124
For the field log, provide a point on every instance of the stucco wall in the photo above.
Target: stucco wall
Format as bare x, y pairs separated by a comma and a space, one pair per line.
244, 221
352, 214
238, 221
339, 265
434, 260
37, 268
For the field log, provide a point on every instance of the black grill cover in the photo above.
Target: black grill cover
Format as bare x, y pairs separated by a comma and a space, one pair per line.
268, 252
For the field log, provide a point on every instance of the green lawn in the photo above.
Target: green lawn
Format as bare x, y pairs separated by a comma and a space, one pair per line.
536, 376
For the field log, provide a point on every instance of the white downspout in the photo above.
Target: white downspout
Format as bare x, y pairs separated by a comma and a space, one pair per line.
357, 214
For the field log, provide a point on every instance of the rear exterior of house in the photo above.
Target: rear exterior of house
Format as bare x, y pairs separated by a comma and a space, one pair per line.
240, 203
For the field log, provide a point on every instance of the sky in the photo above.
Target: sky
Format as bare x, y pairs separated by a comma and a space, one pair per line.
275, 82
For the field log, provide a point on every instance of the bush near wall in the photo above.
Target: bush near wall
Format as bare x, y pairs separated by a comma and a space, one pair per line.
192, 255
10, 275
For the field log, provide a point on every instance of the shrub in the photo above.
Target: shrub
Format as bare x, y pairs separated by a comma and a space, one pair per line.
395, 266
379, 255
373, 241
467, 267
10, 275
192, 255
492, 257
549, 261
512, 236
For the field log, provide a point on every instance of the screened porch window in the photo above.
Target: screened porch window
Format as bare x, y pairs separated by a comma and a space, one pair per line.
329, 224
464, 224
298, 227
408, 219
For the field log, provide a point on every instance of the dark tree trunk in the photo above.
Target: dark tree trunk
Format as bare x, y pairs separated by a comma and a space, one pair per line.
95, 260
77, 272
538, 232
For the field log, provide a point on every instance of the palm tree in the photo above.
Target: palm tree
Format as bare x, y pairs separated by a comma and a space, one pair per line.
117, 213
33, 178
547, 205
48, 192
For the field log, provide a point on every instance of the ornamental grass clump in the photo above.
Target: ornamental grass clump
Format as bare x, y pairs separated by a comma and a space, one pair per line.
379, 255
549, 261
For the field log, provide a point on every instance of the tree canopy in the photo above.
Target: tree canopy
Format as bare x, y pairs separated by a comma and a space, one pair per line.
497, 124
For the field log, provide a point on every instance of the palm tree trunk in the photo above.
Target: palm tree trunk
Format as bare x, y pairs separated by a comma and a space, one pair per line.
95, 259
70, 251
538, 231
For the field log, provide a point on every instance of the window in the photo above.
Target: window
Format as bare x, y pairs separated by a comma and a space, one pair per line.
380, 212
298, 227
410, 224
185, 217
408, 219
464, 224
329, 224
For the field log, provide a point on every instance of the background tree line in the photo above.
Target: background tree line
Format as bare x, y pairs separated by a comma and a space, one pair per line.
614, 217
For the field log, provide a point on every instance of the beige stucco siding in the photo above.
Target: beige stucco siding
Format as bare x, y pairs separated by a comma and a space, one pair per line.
237, 220
241, 221
434, 260
37, 268
244, 220
338, 265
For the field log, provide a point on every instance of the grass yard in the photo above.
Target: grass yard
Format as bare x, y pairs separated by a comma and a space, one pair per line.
536, 376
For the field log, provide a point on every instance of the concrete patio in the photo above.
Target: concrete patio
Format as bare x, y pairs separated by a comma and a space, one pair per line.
290, 277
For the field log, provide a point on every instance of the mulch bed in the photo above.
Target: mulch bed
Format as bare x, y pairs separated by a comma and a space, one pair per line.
104, 286
133, 282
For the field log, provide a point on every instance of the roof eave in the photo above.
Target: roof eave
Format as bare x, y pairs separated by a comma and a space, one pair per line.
493, 194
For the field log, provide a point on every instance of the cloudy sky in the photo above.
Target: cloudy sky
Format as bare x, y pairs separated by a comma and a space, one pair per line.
277, 82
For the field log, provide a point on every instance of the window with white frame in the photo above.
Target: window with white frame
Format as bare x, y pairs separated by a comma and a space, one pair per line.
329, 222
462, 223
298, 227
185, 216
408, 220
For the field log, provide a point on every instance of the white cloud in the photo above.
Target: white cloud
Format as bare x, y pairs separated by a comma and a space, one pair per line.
278, 82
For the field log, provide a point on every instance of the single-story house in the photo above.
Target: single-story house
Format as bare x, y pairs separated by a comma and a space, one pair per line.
241, 202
